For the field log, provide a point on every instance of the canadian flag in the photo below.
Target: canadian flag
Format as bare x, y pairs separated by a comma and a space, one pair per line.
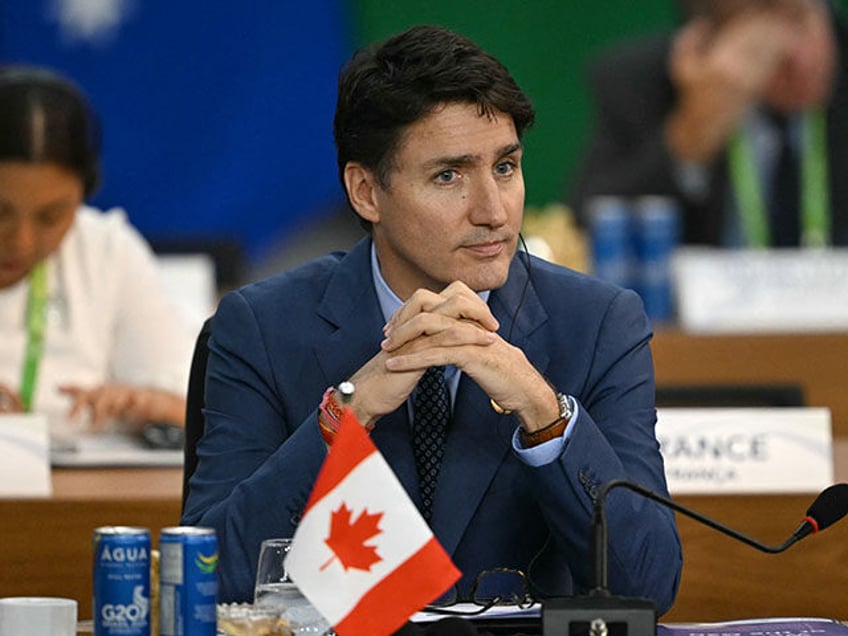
362, 554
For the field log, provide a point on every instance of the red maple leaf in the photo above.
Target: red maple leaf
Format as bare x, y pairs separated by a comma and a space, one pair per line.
347, 540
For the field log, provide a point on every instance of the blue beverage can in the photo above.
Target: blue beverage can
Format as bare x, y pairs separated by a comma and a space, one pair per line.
611, 230
188, 581
121, 581
657, 236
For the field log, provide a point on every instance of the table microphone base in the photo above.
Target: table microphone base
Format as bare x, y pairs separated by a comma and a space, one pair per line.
598, 616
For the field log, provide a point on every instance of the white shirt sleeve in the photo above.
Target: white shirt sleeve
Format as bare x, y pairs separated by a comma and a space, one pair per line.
110, 317
152, 342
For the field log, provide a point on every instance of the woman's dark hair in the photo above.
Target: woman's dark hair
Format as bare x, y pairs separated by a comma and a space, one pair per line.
385, 88
45, 118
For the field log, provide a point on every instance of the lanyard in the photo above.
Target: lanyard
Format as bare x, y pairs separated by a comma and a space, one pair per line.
815, 204
36, 319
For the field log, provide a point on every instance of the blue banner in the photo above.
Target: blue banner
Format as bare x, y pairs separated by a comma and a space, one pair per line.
216, 116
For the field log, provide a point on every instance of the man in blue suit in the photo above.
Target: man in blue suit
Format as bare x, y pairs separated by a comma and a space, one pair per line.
549, 373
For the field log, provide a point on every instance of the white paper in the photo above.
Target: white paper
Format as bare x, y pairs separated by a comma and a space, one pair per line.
25, 465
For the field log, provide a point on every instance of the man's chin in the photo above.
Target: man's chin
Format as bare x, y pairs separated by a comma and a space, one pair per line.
484, 279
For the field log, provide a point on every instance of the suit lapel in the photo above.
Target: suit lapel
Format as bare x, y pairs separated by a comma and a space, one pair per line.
479, 440
351, 308
517, 302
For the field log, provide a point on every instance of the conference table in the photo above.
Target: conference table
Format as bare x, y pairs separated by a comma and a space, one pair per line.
723, 579
45, 544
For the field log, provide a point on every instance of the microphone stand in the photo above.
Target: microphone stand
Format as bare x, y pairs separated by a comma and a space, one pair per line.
599, 541
601, 614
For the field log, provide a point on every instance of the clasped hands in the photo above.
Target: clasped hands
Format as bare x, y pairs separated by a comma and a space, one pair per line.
454, 327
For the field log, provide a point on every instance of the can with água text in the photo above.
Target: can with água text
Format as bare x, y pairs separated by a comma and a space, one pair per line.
188, 581
121, 581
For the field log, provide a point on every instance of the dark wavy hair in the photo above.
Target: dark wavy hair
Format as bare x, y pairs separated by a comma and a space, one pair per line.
385, 88
46, 118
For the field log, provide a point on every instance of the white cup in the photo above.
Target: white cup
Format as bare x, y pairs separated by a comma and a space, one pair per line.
38, 615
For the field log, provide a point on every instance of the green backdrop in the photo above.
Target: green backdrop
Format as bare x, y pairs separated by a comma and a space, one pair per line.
545, 44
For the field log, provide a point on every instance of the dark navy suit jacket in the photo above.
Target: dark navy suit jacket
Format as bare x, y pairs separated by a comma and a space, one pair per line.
277, 344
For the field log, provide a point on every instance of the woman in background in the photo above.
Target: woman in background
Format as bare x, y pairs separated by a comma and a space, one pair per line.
87, 332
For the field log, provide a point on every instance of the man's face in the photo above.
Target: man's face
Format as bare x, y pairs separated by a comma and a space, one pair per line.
453, 206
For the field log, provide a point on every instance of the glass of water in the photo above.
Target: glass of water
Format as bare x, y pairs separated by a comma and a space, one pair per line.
274, 588
273, 583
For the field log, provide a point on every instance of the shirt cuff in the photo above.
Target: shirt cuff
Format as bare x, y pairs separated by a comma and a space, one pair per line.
546, 452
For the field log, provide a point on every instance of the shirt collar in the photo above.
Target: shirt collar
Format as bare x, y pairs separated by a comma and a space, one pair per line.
389, 301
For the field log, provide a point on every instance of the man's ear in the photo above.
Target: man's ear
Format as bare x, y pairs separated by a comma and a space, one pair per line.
361, 185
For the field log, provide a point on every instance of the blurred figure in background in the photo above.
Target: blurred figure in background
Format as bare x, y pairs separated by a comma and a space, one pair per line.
87, 333
741, 116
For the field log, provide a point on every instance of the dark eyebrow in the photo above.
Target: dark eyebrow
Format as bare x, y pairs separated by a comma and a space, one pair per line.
464, 160
511, 148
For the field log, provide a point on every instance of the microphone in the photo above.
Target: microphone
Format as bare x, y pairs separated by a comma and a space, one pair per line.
600, 613
828, 508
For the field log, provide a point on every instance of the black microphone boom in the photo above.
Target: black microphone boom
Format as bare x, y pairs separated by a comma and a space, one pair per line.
829, 507
600, 613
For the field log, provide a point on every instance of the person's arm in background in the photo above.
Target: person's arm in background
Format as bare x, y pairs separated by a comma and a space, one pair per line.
719, 72
152, 344
665, 107
132, 404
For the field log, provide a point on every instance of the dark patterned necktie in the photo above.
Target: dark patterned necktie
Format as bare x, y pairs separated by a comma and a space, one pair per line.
431, 408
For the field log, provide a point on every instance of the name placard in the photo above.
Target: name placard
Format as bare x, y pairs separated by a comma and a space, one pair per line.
746, 450
720, 291
25, 467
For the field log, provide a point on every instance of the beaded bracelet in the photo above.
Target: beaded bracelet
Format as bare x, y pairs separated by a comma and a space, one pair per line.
330, 414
